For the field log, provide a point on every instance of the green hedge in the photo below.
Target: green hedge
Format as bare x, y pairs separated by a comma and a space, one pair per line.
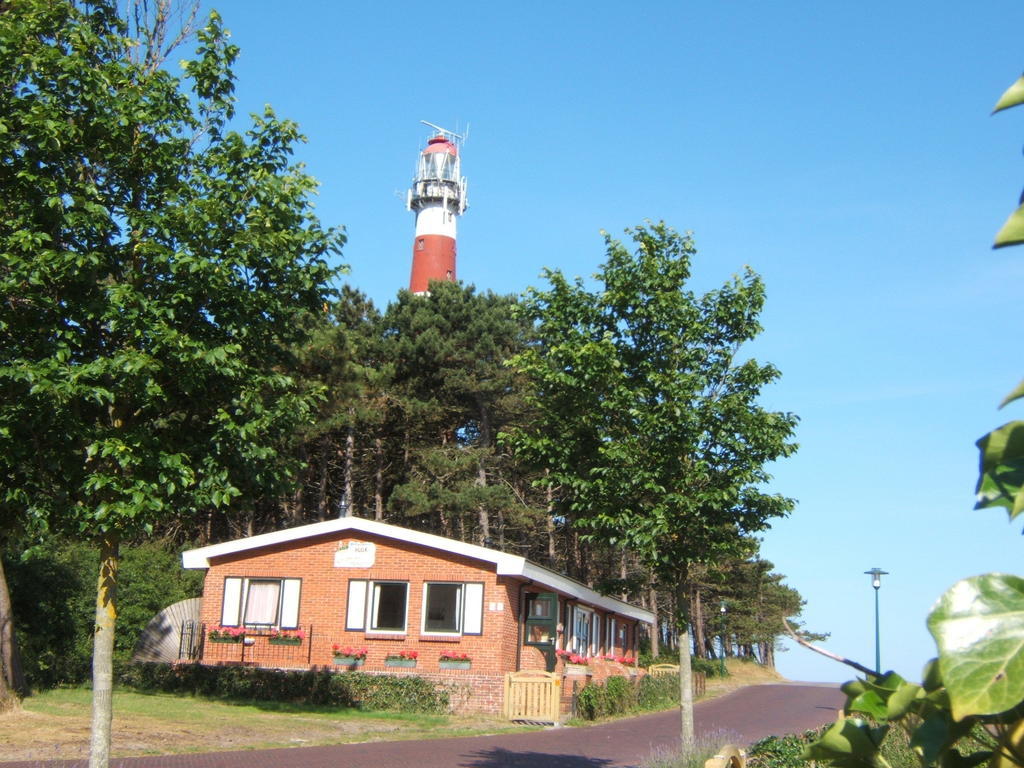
382, 693
622, 695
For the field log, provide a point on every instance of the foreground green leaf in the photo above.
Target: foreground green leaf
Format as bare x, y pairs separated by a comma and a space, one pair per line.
849, 743
1001, 472
1012, 96
979, 628
1012, 231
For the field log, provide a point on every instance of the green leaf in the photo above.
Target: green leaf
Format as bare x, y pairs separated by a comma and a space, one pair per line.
1012, 231
853, 688
902, 699
849, 743
1011, 97
1001, 471
930, 738
932, 676
869, 703
1016, 394
979, 628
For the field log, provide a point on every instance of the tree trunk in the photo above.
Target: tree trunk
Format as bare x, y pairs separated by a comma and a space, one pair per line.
378, 480
483, 518
697, 611
322, 499
656, 627
623, 572
549, 496
481, 470
12, 678
103, 653
685, 672
350, 453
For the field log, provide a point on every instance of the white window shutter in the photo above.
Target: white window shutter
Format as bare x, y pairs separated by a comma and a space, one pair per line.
473, 609
231, 607
355, 613
290, 603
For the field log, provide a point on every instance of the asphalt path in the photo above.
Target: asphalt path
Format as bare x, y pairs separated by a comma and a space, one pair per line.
741, 717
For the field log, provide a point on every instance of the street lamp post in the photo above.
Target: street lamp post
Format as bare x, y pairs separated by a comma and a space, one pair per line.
722, 637
876, 575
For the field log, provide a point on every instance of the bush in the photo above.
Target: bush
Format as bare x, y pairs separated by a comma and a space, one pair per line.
381, 693
708, 667
781, 751
659, 692
53, 595
622, 695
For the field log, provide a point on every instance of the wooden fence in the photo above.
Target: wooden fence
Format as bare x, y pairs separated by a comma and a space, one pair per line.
533, 696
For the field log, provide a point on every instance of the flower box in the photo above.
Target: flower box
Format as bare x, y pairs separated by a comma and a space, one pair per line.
348, 661
223, 639
286, 641
398, 661
456, 664
577, 669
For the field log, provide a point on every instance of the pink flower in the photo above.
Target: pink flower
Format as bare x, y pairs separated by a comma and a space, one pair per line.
357, 653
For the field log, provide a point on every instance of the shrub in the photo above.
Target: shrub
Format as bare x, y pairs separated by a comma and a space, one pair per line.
659, 692
781, 751
621, 695
53, 591
708, 667
382, 693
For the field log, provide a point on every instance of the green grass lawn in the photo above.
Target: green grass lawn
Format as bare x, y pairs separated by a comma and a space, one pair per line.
55, 725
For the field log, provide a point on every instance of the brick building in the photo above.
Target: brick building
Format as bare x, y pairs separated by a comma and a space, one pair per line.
301, 597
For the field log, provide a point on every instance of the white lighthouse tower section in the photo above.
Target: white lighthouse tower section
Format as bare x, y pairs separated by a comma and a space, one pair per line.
438, 197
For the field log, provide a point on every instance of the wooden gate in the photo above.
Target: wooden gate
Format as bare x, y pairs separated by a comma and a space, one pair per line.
533, 696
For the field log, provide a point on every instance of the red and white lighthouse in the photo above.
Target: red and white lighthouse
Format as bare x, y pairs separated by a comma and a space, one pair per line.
438, 198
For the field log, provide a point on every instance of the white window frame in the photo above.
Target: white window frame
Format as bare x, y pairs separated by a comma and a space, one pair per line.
611, 635
236, 597
373, 602
581, 620
595, 634
459, 607
469, 612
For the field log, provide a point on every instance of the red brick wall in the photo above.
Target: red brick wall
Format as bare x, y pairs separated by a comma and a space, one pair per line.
322, 612
323, 598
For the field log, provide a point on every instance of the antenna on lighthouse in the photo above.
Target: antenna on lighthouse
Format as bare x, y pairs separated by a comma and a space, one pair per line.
459, 138
437, 197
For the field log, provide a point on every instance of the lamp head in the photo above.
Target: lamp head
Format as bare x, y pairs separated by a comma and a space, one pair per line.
876, 575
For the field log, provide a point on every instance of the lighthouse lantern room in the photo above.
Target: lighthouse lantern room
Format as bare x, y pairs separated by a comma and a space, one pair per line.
438, 198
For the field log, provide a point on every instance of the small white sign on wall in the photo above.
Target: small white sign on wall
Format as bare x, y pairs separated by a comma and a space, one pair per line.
355, 554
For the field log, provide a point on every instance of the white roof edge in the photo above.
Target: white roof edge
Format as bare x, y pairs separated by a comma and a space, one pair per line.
506, 565
574, 588
200, 558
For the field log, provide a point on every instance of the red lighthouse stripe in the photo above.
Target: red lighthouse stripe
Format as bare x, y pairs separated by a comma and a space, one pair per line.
433, 258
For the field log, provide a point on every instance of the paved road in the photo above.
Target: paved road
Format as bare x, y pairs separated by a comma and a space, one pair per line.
741, 717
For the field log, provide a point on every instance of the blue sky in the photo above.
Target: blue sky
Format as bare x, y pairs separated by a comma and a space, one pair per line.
844, 151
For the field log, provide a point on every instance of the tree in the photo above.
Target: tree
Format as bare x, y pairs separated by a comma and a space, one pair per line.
157, 270
646, 420
447, 353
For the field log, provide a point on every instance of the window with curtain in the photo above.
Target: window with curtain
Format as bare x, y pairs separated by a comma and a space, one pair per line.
262, 602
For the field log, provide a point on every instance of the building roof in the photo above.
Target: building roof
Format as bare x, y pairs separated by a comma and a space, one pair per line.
505, 564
